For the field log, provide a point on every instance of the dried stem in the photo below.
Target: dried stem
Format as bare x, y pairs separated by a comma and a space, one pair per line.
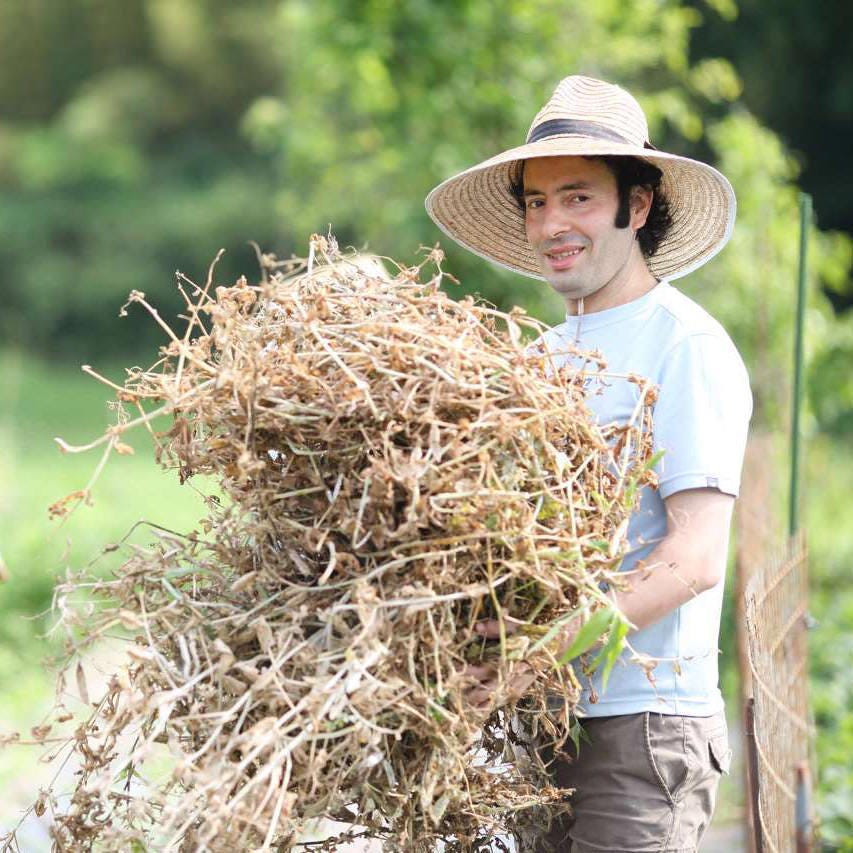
393, 467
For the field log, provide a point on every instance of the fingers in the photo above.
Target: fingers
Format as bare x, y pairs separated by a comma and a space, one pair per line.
491, 628
481, 697
522, 680
480, 673
481, 694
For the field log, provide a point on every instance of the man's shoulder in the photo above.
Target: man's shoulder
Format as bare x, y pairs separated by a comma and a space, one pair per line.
701, 355
685, 316
643, 336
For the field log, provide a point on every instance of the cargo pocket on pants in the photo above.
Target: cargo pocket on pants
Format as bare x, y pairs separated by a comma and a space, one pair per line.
666, 749
721, 755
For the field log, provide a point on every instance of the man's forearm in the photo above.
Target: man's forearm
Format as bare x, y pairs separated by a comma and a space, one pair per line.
659, 585
690, 559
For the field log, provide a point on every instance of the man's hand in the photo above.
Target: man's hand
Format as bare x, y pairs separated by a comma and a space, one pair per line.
480, 695
521, 677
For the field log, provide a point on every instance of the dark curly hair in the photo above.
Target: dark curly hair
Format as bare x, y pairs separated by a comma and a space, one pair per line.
629, 172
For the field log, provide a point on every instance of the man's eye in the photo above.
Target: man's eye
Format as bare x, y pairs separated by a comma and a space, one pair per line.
580, 198
533, 203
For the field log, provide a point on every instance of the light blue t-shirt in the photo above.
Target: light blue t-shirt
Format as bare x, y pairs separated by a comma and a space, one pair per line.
700, 421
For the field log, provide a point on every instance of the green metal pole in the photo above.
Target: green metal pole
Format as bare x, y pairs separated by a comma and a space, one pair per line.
796, 402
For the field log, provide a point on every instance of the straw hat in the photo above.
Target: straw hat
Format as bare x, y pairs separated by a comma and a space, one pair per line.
586, 117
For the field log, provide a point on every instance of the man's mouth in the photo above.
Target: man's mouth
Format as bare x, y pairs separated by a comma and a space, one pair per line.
563, 258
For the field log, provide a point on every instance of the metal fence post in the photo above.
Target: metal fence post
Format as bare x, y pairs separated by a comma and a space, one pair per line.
752, 775
796, 402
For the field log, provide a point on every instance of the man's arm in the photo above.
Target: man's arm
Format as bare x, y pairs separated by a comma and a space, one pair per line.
690, 559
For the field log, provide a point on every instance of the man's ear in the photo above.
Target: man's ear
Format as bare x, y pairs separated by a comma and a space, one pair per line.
641, 204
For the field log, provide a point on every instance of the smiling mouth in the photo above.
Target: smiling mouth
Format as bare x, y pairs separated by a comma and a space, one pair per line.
567, 253
563, 259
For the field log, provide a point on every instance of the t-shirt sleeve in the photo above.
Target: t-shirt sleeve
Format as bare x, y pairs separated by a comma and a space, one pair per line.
702, 415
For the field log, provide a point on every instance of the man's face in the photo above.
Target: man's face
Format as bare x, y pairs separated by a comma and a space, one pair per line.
570, 213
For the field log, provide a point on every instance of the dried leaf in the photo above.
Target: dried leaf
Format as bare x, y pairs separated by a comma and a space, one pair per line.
82, 689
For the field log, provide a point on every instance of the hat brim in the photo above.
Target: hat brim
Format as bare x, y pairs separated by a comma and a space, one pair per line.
477, 209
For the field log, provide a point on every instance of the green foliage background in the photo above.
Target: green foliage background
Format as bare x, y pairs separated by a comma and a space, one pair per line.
141, 136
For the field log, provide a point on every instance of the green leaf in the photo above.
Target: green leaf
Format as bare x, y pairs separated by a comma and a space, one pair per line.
549, 509
577, 733
173, 574
436, 714
609, 654
589, 634
560, 554
552, 632
653, 460
171, 590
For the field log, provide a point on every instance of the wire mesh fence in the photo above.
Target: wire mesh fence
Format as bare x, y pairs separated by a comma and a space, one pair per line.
780, 731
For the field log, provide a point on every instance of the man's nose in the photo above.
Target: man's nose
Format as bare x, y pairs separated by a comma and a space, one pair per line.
557, 221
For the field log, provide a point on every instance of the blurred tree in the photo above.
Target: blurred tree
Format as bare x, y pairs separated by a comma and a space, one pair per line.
121, 158
384, 100
138, 142
798, 70
50, 47
751, 286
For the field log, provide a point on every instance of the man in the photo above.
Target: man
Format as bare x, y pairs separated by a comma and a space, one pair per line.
608, 221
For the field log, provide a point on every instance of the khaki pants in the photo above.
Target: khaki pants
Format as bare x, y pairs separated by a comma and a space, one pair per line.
644, 782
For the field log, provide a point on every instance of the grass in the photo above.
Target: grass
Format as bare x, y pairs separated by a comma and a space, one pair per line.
45, 401
41, 402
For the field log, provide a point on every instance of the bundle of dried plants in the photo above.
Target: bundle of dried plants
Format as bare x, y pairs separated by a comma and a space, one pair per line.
393, 466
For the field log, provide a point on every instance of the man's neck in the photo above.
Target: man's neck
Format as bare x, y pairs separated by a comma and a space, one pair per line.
632, 282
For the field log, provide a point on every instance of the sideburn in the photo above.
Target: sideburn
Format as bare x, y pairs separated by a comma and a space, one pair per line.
623, 212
